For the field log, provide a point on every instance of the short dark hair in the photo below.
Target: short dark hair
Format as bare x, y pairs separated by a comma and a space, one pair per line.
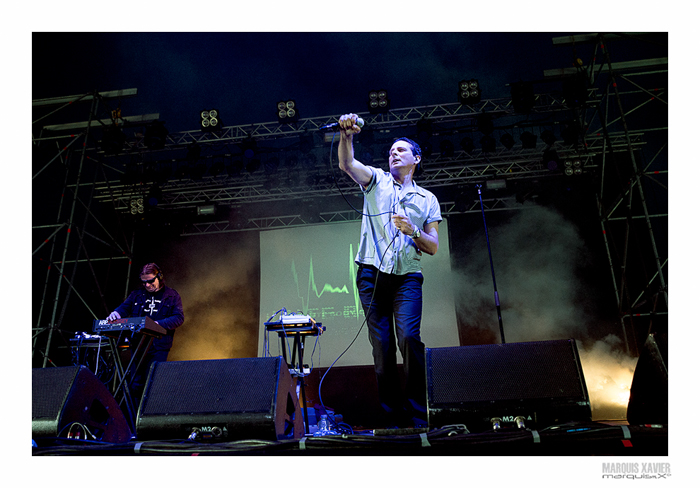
415, 149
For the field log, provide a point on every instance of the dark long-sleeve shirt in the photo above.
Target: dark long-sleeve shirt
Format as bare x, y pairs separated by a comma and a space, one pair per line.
164, 307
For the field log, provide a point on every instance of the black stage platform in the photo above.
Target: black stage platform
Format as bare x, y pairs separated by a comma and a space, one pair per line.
576, 439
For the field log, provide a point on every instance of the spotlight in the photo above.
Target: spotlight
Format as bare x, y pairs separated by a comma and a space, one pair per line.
252, 165
210, 120
575, 90
488, 144
523, 96
194, 151
484, 123
548, 137
508, 141
287, 112
249, 148
113, 139
424, 130
206, 209
467, 145
155, 135
378, 102
218, 166
153, 198
447, 149
136, 206
551, 160
469, 92
573, 167
569, 133
528, 139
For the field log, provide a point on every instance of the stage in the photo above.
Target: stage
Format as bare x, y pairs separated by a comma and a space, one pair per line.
579, 439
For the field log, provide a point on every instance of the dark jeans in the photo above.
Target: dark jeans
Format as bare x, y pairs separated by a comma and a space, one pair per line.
138, 383
393, 306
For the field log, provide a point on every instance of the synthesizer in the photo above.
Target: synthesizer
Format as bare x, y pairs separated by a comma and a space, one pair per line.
143, 325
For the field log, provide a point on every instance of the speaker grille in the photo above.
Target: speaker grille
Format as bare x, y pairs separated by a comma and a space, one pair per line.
503, 372
50, 390
540, 382
245, 386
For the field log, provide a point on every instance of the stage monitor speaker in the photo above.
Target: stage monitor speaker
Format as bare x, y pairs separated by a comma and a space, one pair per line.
534, 384
220, 399
648, 402
73, 401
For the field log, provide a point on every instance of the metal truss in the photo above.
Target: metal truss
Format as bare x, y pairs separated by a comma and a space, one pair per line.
632, 230
296, 168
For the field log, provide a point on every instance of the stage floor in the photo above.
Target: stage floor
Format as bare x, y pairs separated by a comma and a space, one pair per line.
573, 439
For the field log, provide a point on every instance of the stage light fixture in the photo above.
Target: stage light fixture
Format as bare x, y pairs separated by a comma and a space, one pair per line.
378, 102
467, 144
551, 160
548, 137
287, 112
113, 139
484, 123
136, 206
155, 135
249, 148
573, 167
469, 92
569, 133
206, 209
154, 197
523, 95
508, 141
575, 90
528, 139
210, 120
488, 144
252, 165
218, 165
447, 149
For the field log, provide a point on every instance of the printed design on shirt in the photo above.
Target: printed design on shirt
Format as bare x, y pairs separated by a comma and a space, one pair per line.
151, 306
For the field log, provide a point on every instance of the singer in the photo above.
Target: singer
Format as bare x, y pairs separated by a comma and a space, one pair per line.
399, 223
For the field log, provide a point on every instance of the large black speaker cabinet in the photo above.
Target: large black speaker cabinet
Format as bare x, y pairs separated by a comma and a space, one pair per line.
72, 400
220, 399
536, 383
648, 402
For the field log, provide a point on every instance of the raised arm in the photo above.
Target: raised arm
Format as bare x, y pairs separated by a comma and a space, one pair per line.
360, 173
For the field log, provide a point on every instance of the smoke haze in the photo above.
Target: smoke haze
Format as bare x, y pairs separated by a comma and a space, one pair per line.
538, 256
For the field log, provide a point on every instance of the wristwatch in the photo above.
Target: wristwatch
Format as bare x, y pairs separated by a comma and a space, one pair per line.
416, 233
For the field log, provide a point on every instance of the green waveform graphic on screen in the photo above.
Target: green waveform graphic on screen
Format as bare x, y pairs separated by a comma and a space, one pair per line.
313, 289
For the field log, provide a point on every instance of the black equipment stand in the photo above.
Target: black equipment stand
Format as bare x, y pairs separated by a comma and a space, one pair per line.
147, 330
493, 273
296, 366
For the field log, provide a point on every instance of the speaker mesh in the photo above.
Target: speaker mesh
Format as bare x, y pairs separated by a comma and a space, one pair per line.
503, 372
212, 386
50, 390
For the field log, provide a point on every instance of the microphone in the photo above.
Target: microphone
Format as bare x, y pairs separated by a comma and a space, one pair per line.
360, 123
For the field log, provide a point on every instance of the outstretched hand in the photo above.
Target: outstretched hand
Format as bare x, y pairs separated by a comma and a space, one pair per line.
348, 125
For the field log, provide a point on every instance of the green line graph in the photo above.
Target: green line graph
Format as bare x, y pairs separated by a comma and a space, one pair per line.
313, 289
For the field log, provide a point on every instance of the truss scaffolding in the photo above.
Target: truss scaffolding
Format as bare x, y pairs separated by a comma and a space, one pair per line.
205, 182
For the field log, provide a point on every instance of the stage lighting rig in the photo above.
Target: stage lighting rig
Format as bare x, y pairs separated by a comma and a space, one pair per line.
469, 92
287, 112
378, 102
210, 120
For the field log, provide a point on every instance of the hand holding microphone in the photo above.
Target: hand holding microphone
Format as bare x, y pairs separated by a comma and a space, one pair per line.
349, 121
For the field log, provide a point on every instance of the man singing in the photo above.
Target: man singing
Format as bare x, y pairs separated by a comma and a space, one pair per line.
399, 223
